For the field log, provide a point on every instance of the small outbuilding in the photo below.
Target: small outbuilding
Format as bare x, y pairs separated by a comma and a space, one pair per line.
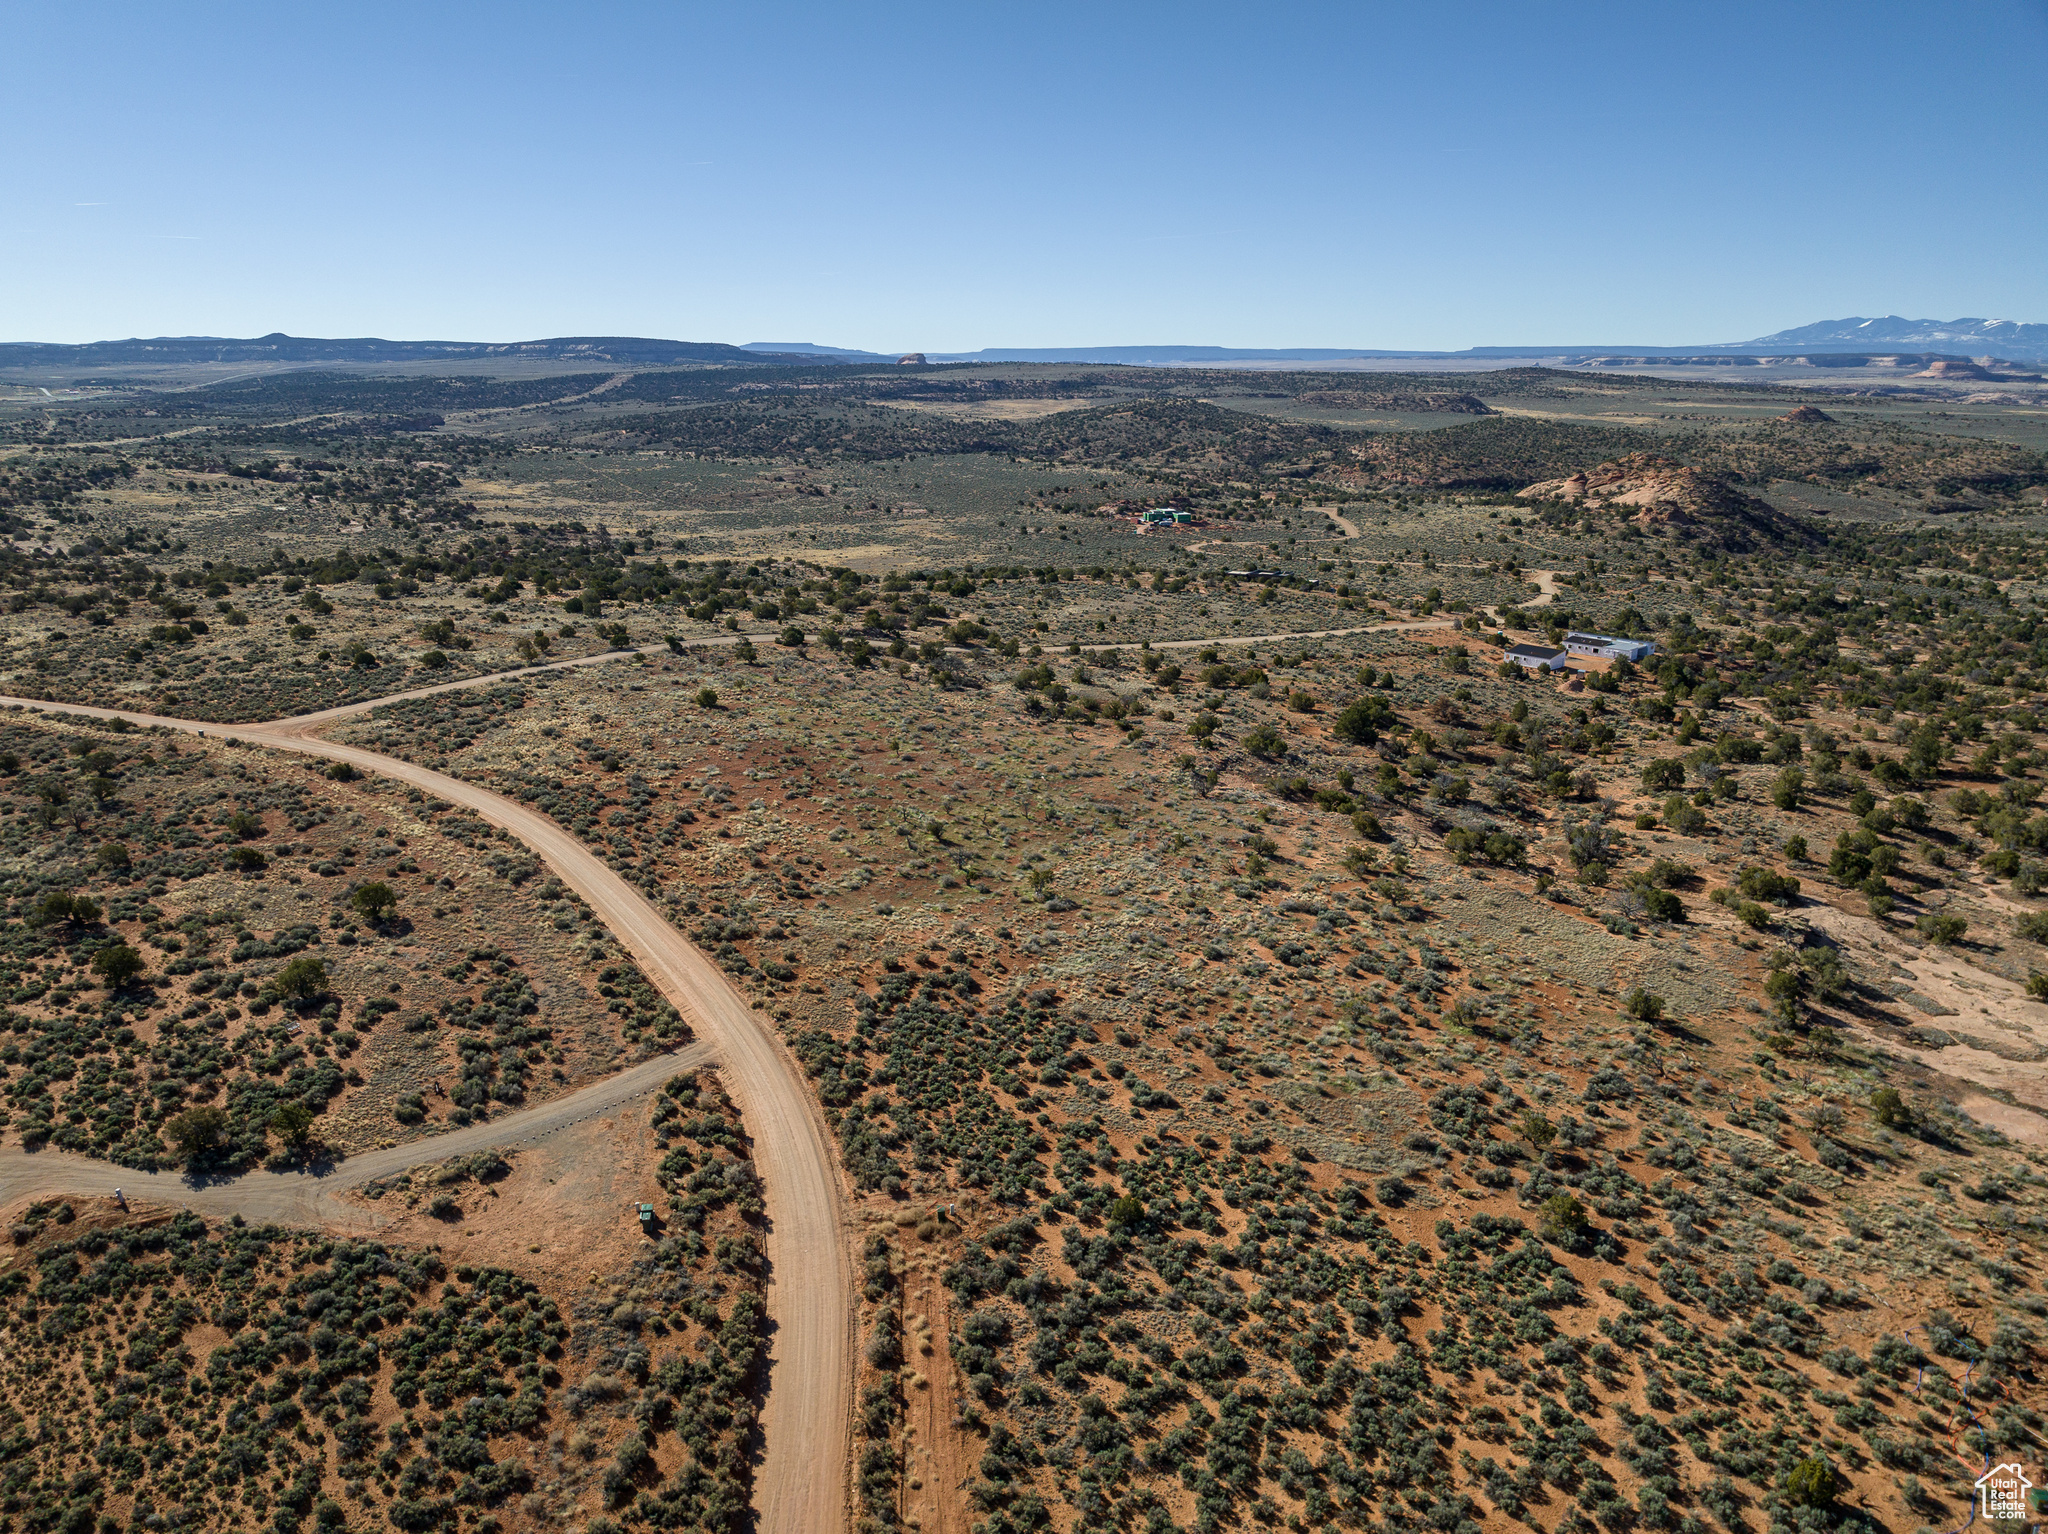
1536, 657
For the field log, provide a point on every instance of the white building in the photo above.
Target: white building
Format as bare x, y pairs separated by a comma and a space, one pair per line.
1536, 657
1607, 647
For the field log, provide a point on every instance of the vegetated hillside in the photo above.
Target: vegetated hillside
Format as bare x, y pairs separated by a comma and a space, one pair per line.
291, 635
293, 394
1373, 399
1505, 453
1175, 432
1411, 392
938, 384
1141, 431
1513, 452
291, 408
1318, 1079
298, 429
965, 383
1471, 1114
217, 957
782, 426
165, 1372
1894, 458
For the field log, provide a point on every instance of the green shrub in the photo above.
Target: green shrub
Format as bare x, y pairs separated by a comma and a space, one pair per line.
374, 902
197, 1133
1785, 789
1765, 884
1360, 722
1662, 905
1564, 1219
117, 965
76, 910
1684, 817
1888, 1108
1811, 1483
1263, 740
1940, 928
303, 979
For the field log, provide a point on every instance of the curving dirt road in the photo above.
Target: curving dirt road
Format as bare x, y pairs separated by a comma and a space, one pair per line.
800, 1486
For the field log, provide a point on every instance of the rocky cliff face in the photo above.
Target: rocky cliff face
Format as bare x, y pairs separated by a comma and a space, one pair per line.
1660, 495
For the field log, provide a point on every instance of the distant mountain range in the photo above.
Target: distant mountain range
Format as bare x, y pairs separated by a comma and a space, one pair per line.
2003, 338
1842, 338
1838, 340
1890, 335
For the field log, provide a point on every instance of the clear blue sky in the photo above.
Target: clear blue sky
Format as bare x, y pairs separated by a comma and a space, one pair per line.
954, 176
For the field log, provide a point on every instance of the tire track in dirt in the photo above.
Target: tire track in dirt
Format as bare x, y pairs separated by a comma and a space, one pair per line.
801, 1484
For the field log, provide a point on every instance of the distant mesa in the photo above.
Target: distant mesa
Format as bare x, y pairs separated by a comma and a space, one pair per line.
277, 349
813, 350
1660, 495
1806, 415
1954, 370
911, 357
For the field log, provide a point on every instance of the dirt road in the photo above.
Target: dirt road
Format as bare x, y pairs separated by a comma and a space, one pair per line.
310, 1198
1240, 639
802, 1480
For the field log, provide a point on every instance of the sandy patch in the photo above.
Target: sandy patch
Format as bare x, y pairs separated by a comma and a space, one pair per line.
1996, 1016
2016, 1123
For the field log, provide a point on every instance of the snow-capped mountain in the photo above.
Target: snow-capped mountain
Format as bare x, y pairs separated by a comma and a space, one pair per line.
1977, 337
